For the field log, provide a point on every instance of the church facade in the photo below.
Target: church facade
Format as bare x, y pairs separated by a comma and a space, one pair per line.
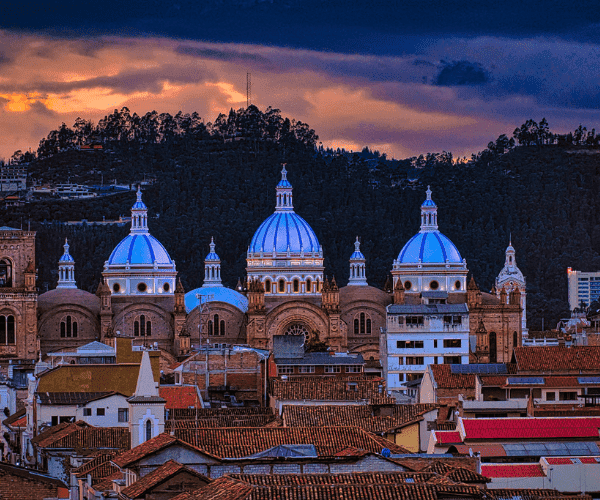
285, 293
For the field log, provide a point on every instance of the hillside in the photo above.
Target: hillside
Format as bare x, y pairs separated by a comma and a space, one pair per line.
545, 195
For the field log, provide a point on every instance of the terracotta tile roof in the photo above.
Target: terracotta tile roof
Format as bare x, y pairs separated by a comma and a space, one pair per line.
149, 447
330, 389
558, 358
525, 494
457, 474
485, 450
179, 396
354, 491
191, 418
70, 398
157, 476
224, 488
82, 435
571, 460
346, 478
360, 415
445, 379
242, 442
487, 429
98, 467
422, 464
512, 470
107, 482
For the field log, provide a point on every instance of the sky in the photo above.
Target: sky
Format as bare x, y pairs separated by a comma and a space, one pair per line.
405, 78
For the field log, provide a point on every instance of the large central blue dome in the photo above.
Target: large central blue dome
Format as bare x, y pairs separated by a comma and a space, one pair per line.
139, 249
282, 231
430, 247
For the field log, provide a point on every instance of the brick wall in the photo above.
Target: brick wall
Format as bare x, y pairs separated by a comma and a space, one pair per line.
14, 487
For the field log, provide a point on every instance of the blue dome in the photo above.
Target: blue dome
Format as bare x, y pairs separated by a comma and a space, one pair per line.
431, 247
428, 203
357, 255
284, 230
217, 294
139, 249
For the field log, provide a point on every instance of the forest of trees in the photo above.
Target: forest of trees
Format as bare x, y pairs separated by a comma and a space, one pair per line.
218, 179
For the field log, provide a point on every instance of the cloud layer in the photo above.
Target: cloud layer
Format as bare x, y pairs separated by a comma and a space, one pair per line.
455, 94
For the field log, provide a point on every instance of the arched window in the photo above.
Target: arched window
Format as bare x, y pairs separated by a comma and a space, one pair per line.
362, 324
308, 285
68, 327
515, 339
148, 430
281, 286
493, 348
216, 326
142, 327
7, 330
5, 273
296, 286
267, 286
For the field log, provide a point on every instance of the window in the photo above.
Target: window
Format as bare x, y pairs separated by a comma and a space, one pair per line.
550, 396
123, 414
407, 285
409, 344
296, 286
142, 327
216, 326
142, 287
414, 320
285, 369
414, 360
7, 330
515, 339
493, 348
452, 320
362, 324
281, 286
5, 273
166, 287
87, 412
116, 288
100, 412
567, 396
434, 285
68, 327
457, 285
308, 285
268, 286
353, 369
452, 343
435, 343
413, 376
306, 369
148, 430
452, 360
401, 377
333, 369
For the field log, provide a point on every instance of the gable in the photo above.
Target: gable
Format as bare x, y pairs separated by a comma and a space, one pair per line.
177, 452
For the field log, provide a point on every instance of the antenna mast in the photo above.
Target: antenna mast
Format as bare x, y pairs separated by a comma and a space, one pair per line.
248, 90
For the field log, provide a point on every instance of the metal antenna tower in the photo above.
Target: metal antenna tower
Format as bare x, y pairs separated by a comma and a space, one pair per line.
248, 90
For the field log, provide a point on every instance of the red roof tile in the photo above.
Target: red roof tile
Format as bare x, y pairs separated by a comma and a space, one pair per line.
447, 437
512, 470
155, 444
571, 460
557, 358
181, 396
486, 450
486, 429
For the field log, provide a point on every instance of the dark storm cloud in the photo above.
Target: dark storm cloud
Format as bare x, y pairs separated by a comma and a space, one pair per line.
221, 55
462, 73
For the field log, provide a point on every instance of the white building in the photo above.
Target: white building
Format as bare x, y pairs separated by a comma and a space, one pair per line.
421, 335
511, 278
583, 288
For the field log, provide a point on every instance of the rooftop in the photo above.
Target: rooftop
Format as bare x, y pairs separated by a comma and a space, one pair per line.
558, 359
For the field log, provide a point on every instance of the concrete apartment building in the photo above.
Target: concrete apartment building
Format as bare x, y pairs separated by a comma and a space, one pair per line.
584, 287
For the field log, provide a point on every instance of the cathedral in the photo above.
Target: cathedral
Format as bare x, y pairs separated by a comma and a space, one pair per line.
285, 293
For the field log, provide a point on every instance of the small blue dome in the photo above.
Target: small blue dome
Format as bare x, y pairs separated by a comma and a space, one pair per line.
431, 247
284, 230
428, 203
66, 258
357, 255
215, 294
139, 249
